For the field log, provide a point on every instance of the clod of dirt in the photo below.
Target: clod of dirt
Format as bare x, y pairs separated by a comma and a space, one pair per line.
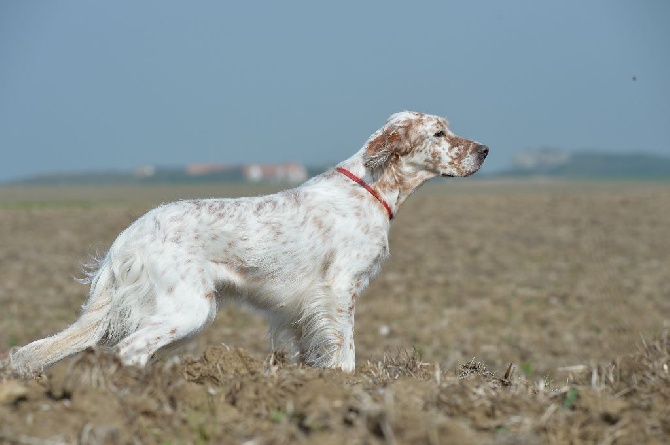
12, 391
219, 363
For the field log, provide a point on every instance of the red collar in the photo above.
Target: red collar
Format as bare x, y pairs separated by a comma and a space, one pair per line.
365, 185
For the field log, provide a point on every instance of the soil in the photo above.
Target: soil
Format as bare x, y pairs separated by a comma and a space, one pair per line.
508, 313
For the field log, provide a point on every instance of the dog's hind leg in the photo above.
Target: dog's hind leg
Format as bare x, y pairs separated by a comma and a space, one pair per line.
175, 319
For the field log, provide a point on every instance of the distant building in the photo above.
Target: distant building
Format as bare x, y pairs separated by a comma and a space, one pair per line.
291, 172
207, 169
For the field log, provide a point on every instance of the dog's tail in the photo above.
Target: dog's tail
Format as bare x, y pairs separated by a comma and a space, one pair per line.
87, 331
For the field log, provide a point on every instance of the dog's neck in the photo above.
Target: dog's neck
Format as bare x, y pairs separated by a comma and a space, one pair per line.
392, 181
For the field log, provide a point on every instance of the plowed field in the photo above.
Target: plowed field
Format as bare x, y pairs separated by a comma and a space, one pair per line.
508, 313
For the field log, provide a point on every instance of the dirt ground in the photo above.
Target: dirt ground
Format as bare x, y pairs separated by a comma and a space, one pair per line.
508, 313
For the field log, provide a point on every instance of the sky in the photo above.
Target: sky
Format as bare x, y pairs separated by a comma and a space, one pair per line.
120, 84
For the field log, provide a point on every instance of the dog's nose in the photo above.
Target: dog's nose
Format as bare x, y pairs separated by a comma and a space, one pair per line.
482, 151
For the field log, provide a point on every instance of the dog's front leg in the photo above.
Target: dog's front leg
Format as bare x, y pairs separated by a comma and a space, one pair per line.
344, 352
326, 330
346, 312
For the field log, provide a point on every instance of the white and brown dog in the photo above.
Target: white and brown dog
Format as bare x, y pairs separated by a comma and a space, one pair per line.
301, 256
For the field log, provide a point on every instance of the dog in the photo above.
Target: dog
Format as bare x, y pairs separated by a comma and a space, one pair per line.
302, 257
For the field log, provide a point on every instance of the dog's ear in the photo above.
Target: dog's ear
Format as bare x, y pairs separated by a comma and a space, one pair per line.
387, 142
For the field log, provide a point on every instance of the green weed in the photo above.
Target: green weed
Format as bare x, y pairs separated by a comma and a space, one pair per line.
570, 398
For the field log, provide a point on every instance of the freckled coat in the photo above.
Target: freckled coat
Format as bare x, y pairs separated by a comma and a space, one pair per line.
302, 256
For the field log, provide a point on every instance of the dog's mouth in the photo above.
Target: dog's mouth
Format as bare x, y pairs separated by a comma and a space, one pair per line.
445, 175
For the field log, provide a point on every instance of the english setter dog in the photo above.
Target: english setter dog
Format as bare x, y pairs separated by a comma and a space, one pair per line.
302, 257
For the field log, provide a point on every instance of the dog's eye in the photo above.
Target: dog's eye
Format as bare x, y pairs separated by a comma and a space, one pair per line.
439, 134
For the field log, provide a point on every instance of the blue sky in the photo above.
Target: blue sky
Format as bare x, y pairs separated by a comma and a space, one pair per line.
114, 85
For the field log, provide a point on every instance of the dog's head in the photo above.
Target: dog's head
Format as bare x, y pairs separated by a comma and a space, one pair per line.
417, 142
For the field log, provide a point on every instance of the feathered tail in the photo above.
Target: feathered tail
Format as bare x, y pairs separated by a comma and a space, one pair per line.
87, 331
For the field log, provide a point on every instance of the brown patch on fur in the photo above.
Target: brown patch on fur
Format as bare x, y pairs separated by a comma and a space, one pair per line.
173, 331
210, 296
295, 197
392, 142
327, 262
212, 206
461, 147
352, 305
234, 262
318, 222
259, 207
386, 140
435, 160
